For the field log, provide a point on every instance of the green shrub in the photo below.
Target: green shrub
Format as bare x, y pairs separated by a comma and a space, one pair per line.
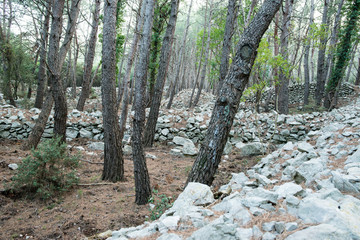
162, 203
49, 170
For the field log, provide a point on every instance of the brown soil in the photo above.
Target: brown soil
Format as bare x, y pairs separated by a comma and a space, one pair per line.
88, 210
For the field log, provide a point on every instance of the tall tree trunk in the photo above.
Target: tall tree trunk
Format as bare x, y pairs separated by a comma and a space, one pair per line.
74, 70
343, 52
229, 31
41, 77
357, 80
142, 180
89, 58
320, 81
283, 99
113, 157
182, 49
306, 57
54, 63
206, 60
351, 62
227, 102
165, 55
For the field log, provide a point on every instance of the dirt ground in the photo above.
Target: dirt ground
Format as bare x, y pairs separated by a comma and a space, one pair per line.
88, 210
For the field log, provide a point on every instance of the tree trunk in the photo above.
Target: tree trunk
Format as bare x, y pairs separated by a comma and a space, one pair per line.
182, 49
165, 55
283, 99
113, 157
357, 81
206, 60
142, 180
42, 66
320, 81
229, 31
89, 58
74, 70
351, 63
306, 57
227, 102
343, 52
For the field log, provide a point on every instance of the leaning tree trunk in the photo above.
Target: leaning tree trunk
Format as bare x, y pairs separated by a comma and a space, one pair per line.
357, 80
283, 99
321, 73
306, 57
89, 58
41, 81
113, 157
229, 31
227, 102
142, 180
165, 55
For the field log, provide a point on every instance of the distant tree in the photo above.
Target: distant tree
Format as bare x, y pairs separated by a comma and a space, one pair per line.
142, 180
343, 52
227, 102
89, 58
357, 80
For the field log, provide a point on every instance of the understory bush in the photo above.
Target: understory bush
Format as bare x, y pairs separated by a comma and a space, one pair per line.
49, 170
161, 203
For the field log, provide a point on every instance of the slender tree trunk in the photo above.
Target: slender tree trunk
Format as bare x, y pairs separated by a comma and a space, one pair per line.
283, 99
320, 81
206, 60
229, 31
165, 55
357, 80
351, 62
89, 58
74, 70
306, 57
142, 180
113, 157
227, 102
182, 49
41, 77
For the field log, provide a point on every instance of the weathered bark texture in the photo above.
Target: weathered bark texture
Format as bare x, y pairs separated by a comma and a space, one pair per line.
306, 57
89, 58
283, 98
142, 180
165, 55
113, 157
229, 31
321, 73
41, 77
55, 63
181, 56
227, 102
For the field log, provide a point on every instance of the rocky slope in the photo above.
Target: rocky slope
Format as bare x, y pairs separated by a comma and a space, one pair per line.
306, 189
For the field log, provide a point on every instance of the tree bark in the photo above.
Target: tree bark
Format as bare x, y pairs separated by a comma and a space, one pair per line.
357, 81
306, 57
165, 55
283, 99
142, 180
42, 66
74, 70
227, 102
113, 157
229, 31
321, 73
89, 58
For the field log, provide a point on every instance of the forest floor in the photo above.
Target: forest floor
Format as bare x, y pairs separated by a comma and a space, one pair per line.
85, 211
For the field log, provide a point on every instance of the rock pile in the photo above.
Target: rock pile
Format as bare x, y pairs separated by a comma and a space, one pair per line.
303, 190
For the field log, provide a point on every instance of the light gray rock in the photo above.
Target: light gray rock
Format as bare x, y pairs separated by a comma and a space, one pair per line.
127, 149
263, 193
322, 231
171, 236
315, 210
287, 189
280, 227
85, 133
181, 141
354, 158
169, 223
257, 232
291, 226
194, 194
251, 149
215, 231
72, 133
244, 233
13, 166
305, 147
190, 149
268, 236
268, 226
97, 146
308, 170
342, 182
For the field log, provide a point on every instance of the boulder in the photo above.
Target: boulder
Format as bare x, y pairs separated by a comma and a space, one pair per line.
251, 149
